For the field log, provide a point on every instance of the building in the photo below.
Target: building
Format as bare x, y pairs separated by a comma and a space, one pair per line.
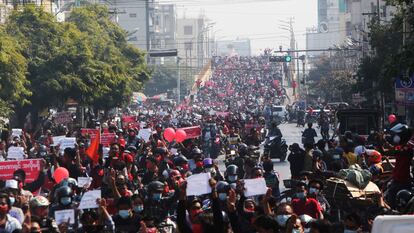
240, 47
193, 41
7, 6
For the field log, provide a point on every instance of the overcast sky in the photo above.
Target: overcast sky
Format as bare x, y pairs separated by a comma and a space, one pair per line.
257, 19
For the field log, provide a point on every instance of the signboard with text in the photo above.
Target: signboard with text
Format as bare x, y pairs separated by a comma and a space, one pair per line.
32, 167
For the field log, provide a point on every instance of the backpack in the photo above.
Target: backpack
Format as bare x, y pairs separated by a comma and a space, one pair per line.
356, 175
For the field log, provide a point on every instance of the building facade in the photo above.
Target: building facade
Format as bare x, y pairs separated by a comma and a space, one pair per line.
240, 47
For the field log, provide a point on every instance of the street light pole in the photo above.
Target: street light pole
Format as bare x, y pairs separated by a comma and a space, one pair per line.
178, 81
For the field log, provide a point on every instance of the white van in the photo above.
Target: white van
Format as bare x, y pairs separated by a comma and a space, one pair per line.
278, 110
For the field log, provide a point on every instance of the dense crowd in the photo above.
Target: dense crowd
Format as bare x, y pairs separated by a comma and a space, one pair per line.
135, 183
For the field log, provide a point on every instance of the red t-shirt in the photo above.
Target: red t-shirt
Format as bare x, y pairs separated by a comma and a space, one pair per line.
311, 207
401, 172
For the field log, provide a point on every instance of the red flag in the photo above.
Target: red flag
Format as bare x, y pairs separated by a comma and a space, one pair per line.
92, 150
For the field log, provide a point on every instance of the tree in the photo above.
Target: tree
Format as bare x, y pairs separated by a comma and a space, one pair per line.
13, 82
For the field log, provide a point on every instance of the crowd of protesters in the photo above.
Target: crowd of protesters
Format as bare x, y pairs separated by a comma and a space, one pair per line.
143, 183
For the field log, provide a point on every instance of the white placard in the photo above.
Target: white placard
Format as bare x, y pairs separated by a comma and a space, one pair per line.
62, 216
145, 134
67, 143
15, 152
84, 182
17, 132
57, 139
88, 200
142, 125
173, 151
198, 184
255, 187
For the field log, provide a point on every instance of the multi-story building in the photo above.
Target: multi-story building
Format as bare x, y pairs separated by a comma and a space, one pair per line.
192, 41
7, 6
240, 47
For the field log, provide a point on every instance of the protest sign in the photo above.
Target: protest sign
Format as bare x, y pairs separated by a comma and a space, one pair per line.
67, 142
88, 200
145, 134
89, 131
129, 121
63, 216
17, 132
198, 184
192, 132
32, 167
15, 152
255, 187
56, 140
63, 118
84, 182
107, 139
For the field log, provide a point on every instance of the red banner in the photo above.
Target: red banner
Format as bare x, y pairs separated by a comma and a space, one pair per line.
88, 131
192, 132
32, 167
107, 139
129, 120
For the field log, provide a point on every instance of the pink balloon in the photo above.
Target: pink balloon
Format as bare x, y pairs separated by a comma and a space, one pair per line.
60, 174
169, 134
392, 118
180, 135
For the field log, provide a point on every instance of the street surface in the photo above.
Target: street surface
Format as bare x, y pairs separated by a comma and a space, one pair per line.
291, 134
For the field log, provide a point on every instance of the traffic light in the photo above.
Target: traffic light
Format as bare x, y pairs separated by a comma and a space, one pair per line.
285, 58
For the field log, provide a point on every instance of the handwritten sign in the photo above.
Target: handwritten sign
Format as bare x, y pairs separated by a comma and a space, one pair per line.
145, 134
84, 182
88, 200
32, 167
63, 118
198, 184
17, 132
62, 216
255, 187
67, 142
15, 152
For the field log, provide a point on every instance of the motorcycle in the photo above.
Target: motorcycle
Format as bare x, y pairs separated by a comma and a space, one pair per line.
275, 147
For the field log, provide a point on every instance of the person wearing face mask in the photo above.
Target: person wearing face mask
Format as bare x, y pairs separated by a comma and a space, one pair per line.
181, 163
283, 213
39, 209
315, 191
125, 220
15, 202
222, 188
7, 223
231, 174
64, 200
294, 225
137, 205
157, 205
303, 205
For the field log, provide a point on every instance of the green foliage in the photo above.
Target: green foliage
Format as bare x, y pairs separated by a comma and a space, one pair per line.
13, 82
86, 58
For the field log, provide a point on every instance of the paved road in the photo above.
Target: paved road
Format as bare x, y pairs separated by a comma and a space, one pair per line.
291, 134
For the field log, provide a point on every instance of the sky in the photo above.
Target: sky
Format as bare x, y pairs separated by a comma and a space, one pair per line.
259, 20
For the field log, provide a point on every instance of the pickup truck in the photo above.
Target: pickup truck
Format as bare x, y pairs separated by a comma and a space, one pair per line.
360, 121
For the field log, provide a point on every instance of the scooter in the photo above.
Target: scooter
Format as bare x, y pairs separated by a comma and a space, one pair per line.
275, 147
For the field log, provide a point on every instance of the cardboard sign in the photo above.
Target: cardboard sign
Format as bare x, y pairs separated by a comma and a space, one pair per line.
255, 187
57, 139
84, 182
32, 167
62, 216
88, 200
192, 132
15, 152
198, 184
63, 118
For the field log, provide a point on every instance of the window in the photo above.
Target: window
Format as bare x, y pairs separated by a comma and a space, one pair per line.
132, 15
188, 30
188, 45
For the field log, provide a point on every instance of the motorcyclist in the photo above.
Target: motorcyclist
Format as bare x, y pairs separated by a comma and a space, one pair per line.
308, 136
274, 130
231, 174
271, 178
65, 199
158, 205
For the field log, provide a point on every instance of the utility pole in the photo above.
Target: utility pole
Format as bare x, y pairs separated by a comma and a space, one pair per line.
147, 17
178, 81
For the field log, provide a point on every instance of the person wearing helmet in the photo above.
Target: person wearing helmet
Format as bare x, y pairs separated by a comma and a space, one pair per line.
211, 167
39, 210
232, 138
181, 163
64, 199
158, 205
222, 188
403, 151
404, 201
132, 139
196, 161
231, 174
374, 162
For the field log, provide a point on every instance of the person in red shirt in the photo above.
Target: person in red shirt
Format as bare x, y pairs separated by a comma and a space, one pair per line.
303, 205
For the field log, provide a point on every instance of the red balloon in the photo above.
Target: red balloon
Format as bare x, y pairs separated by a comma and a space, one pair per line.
60, 174
169, 134
392, 118
180, 135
